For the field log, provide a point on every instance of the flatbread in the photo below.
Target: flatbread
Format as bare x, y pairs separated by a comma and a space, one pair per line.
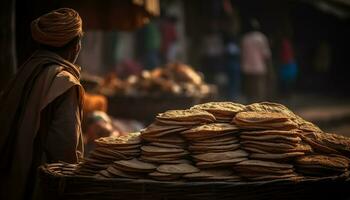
269, 144
205, 173
266, 138
135, 165
130, 139
211, 157
166, 145
213, 128
177, 168
270, 107
186, 115
166, 154
209, 148
119, 173
199, 143
157, 127
170, 139
275, 156
260, 117
259, 163
331, 161
267, 149
288, 133
160, 150
220, 163
165, 161
164, 133
224, 138
164, 176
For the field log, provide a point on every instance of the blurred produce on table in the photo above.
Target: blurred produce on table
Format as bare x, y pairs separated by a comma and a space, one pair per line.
172, 79
97, 123
141, 97
94, 102
90, 82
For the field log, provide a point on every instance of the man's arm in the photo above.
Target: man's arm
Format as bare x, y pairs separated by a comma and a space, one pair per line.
64, 132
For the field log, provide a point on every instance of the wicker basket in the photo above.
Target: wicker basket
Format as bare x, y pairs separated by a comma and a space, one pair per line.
58, 186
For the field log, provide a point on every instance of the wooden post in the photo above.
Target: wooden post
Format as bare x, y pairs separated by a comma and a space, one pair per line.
7, 42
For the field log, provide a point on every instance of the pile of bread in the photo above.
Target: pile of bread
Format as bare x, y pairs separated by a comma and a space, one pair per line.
173, 79
223, 141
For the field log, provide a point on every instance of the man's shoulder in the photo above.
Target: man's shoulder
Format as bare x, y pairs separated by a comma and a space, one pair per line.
67, 77
62, 75
60, 83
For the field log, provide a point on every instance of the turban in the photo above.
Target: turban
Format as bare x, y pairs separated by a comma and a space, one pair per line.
57, 28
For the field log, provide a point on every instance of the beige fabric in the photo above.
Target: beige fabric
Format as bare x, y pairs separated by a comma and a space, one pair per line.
57, 28
42, 79
63, 139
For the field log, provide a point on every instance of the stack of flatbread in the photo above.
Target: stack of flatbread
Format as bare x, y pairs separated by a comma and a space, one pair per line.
214, 145
132, 168
274, 145
170, 172
322, 165
108, 150
223, 141
258, 170
163, 142
272, 141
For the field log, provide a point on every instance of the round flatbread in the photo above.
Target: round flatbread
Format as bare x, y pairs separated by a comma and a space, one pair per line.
119, 173
177, 168
221, 108
160, 150
206, 173
135, 165
275, 156
211, 157
129, 139
164, 176
213, 128
260, 117
331, 161
267, 164
186, 115
220, 163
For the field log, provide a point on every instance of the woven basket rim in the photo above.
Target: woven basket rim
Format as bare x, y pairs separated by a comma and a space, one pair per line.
45, 171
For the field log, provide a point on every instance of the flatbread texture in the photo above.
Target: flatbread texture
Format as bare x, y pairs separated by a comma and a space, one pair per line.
221, 141
190, 115
223, 111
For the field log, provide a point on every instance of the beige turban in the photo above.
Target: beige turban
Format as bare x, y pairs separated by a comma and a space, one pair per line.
57, 28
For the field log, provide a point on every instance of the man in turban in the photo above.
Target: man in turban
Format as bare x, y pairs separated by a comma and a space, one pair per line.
41, 109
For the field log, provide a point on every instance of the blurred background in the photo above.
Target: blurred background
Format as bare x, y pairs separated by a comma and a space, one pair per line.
141, 57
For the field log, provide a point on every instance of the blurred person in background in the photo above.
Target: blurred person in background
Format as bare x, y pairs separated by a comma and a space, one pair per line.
232, 50
255, 63
41, 109
212, 53
232, 53
289, 68
169, 37
150, 38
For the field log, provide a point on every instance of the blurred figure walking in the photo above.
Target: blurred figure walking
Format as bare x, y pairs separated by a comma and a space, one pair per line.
255, 62
288, 69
